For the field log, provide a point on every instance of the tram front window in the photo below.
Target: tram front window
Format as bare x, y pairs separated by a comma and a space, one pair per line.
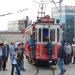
52, 34
45, 34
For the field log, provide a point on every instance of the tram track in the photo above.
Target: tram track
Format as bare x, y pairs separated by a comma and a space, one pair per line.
40, 69
45, 70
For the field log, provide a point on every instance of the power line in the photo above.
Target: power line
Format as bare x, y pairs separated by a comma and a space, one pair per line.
10, 13
41, 1
36, 2
54, 4
5, 14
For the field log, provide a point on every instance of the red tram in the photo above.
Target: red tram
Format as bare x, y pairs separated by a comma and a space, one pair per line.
43, 30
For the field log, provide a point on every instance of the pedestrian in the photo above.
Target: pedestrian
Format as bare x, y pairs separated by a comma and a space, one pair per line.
4, 59
73, 53
49, 49
11, 50
61, 56
32, 48
6, 47
0, 56
15, 63
68, 51
21, 56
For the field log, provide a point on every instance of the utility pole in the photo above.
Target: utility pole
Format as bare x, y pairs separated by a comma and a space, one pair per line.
74, 30
60, 11
60, 18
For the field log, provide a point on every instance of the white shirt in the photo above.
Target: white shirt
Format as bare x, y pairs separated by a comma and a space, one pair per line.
68, 49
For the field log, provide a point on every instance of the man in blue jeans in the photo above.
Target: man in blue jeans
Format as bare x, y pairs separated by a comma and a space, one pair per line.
14, 63
61, 56
21, 57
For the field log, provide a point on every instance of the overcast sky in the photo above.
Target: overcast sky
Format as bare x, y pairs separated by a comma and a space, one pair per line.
7, 6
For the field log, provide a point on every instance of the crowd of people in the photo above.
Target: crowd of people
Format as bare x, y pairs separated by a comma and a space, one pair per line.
16, 57
66, 55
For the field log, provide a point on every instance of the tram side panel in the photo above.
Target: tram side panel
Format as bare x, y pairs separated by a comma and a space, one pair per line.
41, 52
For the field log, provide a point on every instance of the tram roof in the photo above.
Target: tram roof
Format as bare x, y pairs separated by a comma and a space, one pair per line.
44, 25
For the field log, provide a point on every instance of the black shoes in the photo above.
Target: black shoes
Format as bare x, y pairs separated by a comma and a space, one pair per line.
62, 72
4, 69
23, 69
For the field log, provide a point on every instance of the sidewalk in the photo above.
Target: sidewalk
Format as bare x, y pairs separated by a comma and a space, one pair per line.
70, 70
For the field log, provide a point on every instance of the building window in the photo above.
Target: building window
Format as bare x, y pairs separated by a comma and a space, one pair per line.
69, 11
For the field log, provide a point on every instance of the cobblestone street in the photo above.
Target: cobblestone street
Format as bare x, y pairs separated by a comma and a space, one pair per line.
32, 70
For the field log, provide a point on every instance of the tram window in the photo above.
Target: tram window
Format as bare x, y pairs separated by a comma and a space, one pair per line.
58, 35
35, 34
45, 34
52, 34
39, 34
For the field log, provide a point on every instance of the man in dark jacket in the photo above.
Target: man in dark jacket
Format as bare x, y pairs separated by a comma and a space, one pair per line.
4, 56
61, 56
49, 49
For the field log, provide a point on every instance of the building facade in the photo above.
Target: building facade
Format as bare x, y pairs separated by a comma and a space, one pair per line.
67, 20
6, 36
18, 25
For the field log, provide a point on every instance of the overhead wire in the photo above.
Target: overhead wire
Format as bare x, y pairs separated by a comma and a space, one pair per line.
54, 4
10, 13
